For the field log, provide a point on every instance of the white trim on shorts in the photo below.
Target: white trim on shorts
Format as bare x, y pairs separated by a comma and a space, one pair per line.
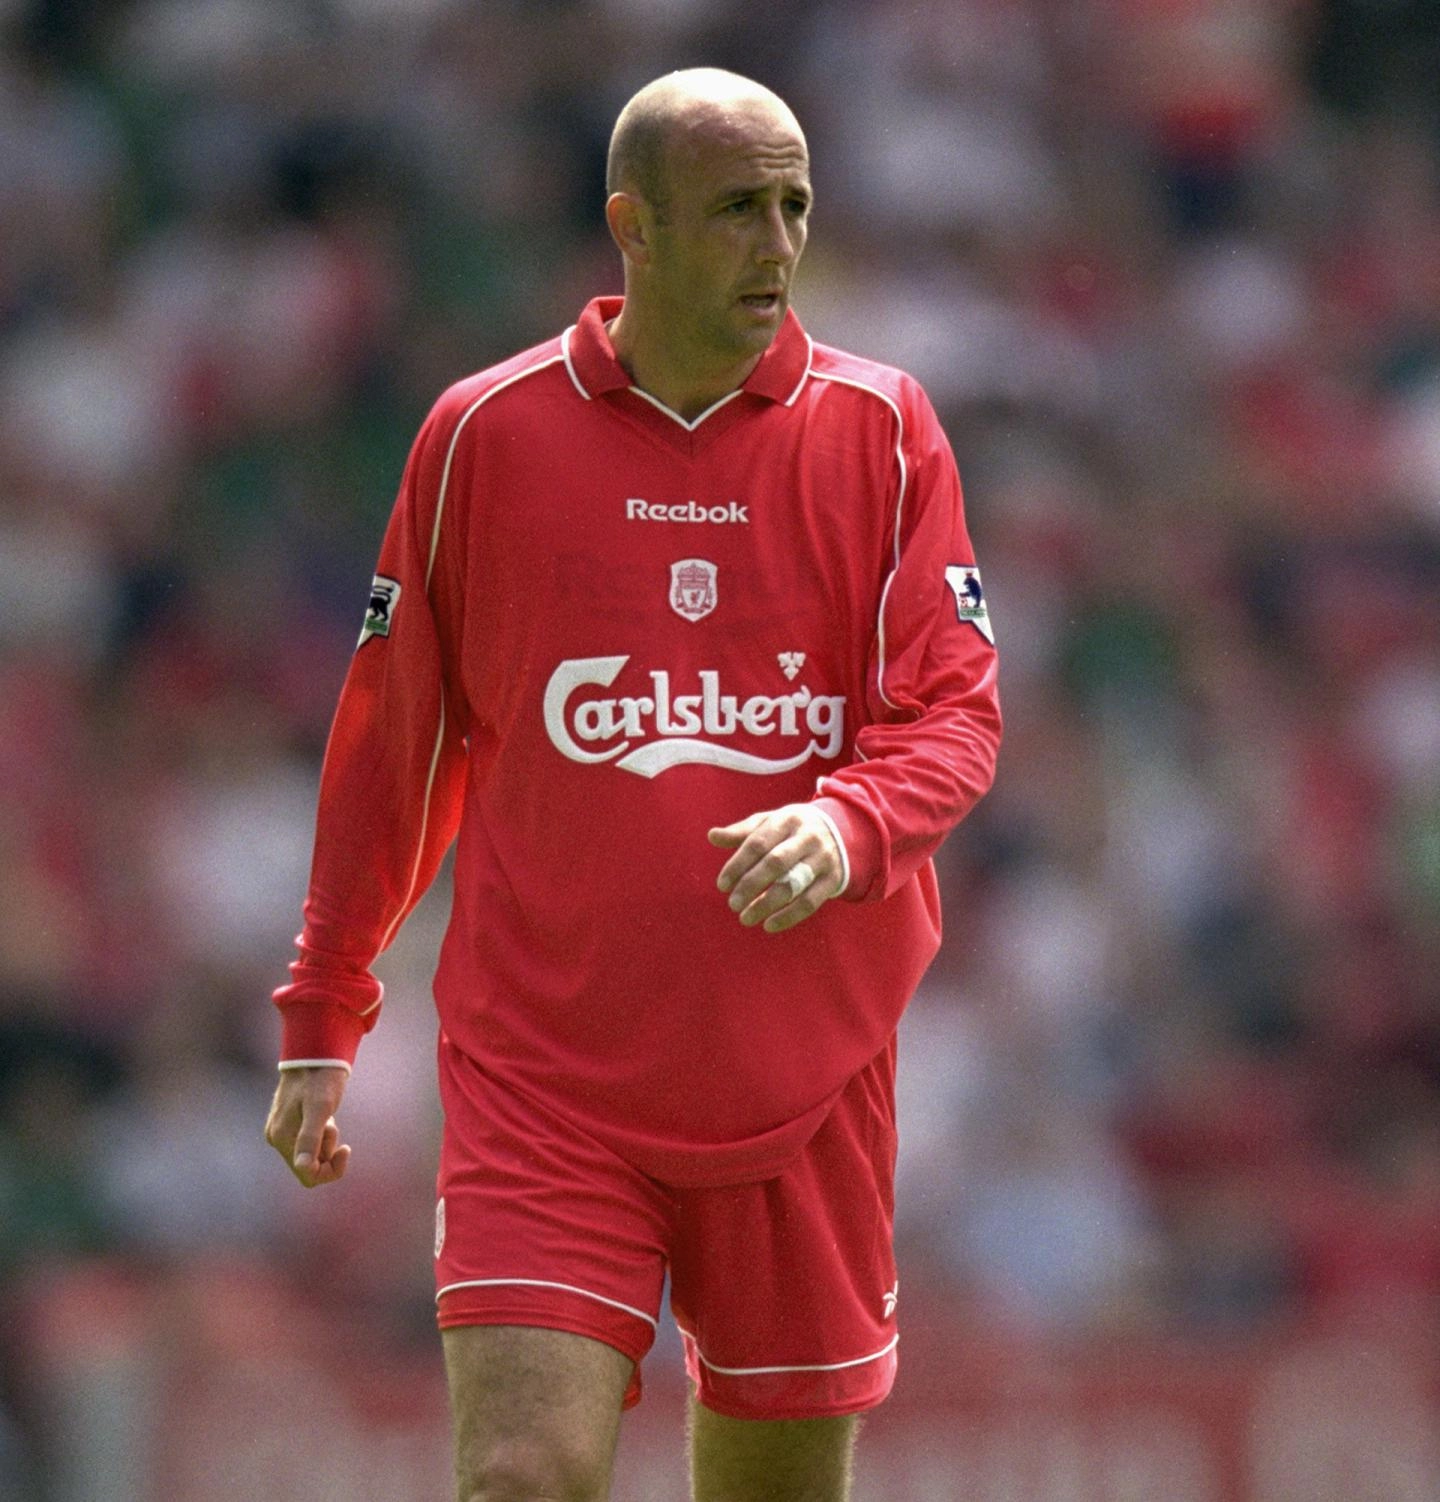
545, 1283
765, 1371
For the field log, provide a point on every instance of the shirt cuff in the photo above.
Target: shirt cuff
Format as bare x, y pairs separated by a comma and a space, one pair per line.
839, 839
319, 1032
860, 845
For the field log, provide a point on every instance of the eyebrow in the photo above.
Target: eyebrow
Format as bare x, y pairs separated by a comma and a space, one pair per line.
741, 190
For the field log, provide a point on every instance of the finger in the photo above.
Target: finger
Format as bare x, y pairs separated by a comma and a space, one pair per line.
775, 863
783, 898
766, 834
784, 876
308, 1140
730, 835
809, 902
762, 865
282, 1125
327, 1163
328, 1170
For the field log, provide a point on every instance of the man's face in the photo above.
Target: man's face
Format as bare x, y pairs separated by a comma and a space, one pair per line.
730, 233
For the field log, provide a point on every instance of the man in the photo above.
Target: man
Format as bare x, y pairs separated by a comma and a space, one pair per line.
676, 576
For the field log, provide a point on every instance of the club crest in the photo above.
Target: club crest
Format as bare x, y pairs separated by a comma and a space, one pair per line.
692, 588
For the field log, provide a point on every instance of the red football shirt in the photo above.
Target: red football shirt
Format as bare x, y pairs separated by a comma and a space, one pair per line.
598, 630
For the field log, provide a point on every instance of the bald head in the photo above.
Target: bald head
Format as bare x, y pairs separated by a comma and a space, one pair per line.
709, 205
665, 113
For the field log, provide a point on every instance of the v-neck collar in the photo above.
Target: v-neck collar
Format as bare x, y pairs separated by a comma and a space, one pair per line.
779, 375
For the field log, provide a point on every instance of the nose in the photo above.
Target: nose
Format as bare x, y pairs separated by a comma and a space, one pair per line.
777, 244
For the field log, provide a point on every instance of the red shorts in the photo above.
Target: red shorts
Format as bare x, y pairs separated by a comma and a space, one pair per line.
784, 1291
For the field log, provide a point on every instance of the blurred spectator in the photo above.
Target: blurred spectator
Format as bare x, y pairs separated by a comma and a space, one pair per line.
50, 1205
173, 1166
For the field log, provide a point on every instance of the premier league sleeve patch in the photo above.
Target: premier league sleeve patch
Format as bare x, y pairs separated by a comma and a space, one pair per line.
384, 597
970, 605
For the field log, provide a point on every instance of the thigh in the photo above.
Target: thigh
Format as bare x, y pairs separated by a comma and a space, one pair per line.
785, 1290
536, 1412
540, 1226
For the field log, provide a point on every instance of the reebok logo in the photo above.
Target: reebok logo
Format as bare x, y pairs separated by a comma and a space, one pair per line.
637, 510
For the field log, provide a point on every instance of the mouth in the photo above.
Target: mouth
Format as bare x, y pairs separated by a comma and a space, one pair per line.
762, 302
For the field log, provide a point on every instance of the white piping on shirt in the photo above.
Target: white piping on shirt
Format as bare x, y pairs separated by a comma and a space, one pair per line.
429, 570
899, 512
570, 364
545, 1283
465, 417
399, 917
670, 412
715, 406
804, 374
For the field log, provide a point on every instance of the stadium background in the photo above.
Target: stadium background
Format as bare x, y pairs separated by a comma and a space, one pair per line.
1170, 1199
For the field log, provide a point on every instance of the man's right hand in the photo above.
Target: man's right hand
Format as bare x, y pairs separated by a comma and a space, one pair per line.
302, 1126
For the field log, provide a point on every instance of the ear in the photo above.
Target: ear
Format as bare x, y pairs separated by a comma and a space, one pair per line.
628, 219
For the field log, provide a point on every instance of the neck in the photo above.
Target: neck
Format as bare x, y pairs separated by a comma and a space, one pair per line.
671, 374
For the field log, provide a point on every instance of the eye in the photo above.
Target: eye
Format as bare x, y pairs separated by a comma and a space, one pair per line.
799, 207
737, 206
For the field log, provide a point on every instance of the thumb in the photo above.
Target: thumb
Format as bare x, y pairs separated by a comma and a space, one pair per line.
307, 1140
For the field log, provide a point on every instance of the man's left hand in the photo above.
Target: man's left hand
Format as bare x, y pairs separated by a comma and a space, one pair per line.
785, 866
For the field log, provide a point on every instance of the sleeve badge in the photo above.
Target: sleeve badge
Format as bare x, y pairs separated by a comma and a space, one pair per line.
970, 605
384, 596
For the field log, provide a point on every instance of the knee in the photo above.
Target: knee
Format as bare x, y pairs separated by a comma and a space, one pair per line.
526, 1471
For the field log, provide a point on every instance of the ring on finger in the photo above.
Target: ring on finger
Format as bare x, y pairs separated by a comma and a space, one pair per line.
800, 876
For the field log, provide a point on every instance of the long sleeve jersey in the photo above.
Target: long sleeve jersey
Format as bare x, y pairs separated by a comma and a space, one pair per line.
597, 631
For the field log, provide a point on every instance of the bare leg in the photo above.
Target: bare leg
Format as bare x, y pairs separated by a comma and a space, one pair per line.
537, 1413
755, 1460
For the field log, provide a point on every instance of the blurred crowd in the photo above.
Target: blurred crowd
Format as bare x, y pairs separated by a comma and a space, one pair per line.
1170, 270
